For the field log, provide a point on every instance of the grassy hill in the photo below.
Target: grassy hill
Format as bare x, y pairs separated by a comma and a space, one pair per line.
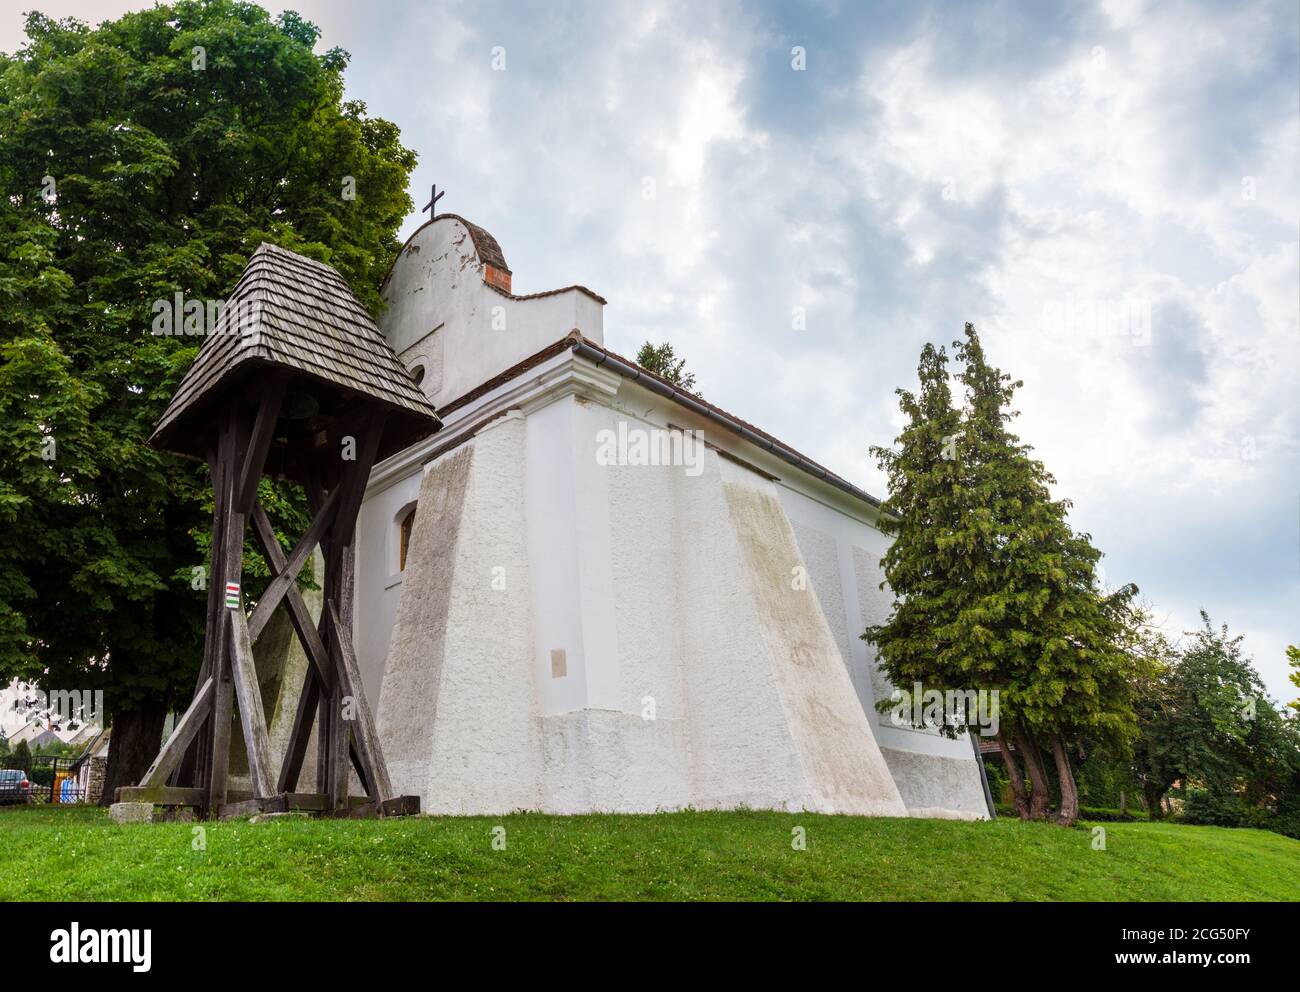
70, 853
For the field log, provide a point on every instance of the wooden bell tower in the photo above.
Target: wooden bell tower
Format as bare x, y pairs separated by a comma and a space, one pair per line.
296, 382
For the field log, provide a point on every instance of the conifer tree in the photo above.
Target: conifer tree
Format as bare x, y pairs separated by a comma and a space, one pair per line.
1036, 613
993, 589
922, 642
922, 512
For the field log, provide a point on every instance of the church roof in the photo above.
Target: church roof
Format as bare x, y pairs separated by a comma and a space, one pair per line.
754, 435
670, 390
293, 312
485, 246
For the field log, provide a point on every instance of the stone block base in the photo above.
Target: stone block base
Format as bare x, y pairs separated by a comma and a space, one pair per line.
131, 812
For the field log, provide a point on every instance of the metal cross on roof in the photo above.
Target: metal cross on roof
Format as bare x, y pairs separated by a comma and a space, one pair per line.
435, 196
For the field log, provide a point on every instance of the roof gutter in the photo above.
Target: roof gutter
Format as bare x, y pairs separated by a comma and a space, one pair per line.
656, 385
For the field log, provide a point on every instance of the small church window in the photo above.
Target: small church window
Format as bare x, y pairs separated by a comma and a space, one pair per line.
404, 540
417, 374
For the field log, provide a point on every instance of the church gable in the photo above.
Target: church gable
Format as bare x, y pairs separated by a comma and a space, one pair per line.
448, 294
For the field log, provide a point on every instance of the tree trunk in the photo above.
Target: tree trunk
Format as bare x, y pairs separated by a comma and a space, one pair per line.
1069, 811
1154, 794
1015, 776
1123, 803
134, 743
1040, 798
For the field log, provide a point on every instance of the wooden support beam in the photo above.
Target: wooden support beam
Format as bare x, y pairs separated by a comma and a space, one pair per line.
368, 810
250, 472
250, 807
352, 477
303, 624
363, 722
193, 770
251, 714
355, 476
400, 806
232, 565
323, 740
357, 766
186, 729
338, 749
300, 736
317, 803
309, 801
285, 570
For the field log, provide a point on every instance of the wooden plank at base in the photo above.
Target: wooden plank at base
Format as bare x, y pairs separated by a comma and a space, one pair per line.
309, 802
250, 807
366, 810
161, 795
400, 806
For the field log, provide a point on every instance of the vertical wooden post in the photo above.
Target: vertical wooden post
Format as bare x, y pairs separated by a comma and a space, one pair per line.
193, 767
231, 571
349, 480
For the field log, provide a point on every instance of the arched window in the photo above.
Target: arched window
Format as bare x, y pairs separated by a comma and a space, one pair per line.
404, 538
417, 374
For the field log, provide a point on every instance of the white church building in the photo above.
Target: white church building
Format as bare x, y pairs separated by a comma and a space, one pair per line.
567, 603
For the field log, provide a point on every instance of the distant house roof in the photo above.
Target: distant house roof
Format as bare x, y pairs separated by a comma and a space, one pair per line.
36, 736
98, 745
27, 732
86, 732
292, 312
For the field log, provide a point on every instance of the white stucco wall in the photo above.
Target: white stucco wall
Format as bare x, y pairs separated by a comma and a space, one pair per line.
842, 552
706, 681
570, 636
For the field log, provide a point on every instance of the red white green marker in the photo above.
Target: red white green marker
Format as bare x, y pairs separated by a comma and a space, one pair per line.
232, 595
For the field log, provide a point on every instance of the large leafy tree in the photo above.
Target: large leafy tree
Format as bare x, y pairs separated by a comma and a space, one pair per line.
993, 589
1208, 720
144, 158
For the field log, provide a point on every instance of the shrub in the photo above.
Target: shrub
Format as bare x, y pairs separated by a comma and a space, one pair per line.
1216, 808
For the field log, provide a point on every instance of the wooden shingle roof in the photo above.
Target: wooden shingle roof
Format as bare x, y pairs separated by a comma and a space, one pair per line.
299, 315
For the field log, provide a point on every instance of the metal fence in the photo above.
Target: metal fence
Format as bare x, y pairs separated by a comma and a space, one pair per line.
53, 781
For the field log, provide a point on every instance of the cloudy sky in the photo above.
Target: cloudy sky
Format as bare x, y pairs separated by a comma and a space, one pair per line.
1111, 192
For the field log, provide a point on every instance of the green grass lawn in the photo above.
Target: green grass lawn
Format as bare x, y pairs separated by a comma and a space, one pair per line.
76, 853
